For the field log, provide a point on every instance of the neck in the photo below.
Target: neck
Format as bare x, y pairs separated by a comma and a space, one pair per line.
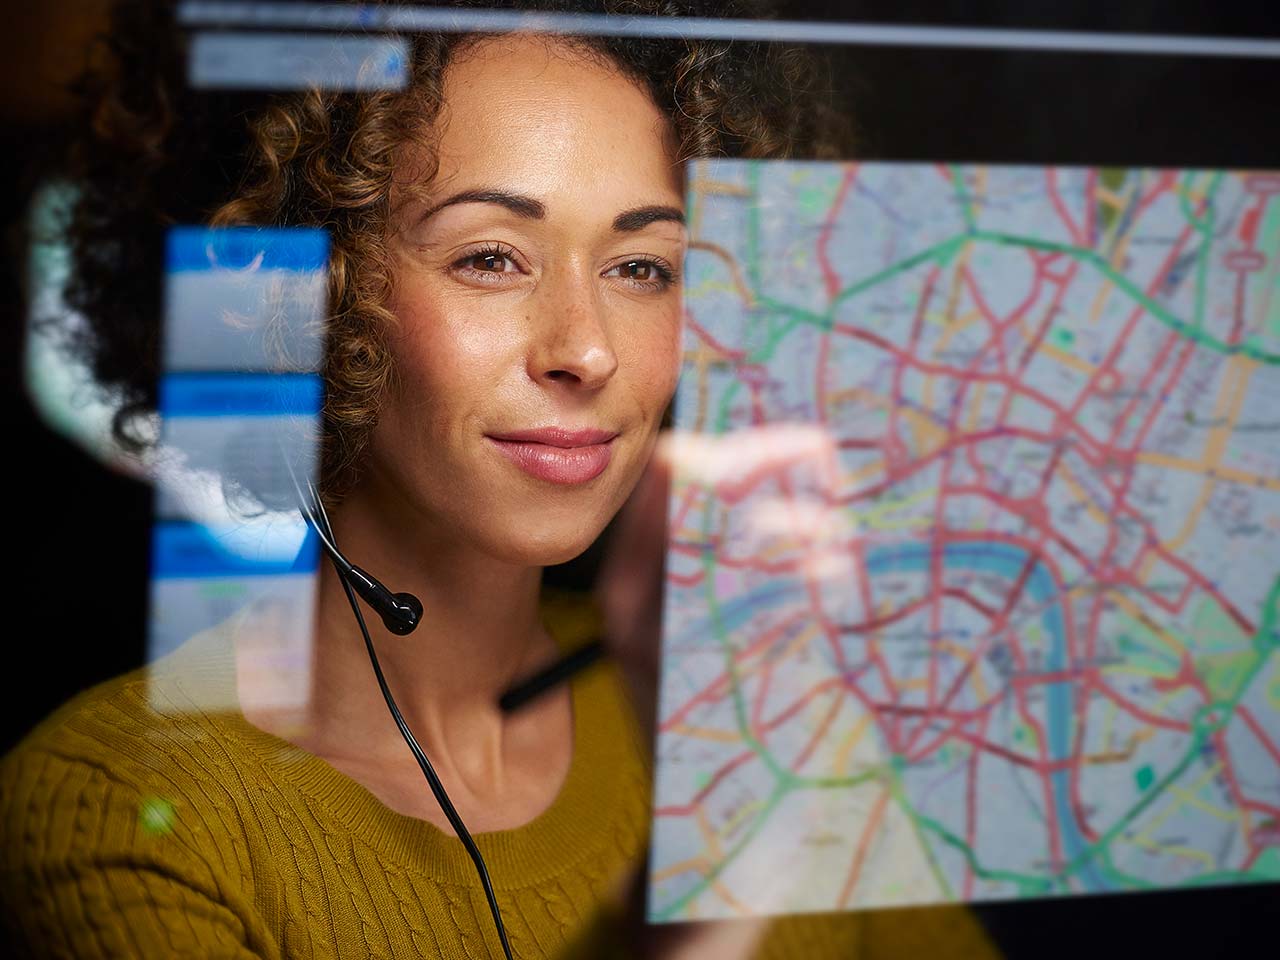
479, 632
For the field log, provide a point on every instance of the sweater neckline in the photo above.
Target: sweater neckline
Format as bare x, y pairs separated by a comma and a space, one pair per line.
570, 828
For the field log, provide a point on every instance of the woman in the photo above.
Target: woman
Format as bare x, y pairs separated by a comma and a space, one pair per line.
505, 337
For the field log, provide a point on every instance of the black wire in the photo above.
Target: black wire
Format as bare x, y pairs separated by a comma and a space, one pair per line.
433, 781
558, 672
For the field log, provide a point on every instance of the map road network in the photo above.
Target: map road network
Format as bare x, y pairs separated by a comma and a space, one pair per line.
974, 581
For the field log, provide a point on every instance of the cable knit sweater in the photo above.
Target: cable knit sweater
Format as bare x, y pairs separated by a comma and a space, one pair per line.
148, 818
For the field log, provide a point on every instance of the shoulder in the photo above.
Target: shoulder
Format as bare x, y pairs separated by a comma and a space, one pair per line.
154, 729
119, 828
135, 769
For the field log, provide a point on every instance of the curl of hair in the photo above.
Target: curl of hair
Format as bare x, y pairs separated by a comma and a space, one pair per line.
156, 153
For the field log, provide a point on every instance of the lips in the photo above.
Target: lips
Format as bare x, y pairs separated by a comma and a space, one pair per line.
557, 454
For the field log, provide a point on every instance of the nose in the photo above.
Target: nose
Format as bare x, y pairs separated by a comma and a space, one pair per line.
570, 341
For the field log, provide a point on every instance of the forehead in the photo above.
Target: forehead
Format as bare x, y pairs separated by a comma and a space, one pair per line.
553, 120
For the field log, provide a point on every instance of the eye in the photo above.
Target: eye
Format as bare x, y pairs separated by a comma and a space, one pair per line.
491, 264
638, 270
645, 273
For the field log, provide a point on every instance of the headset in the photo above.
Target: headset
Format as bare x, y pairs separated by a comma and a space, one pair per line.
401, 612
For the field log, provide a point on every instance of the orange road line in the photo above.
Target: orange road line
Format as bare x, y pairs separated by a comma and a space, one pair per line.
1137, 613
708, 733
1078, 489
1227, 408
702, 185
698, 864
708, 834
1067, 359
735, 268
864, 842
967, 657
851, 741
734, 904
1221, 473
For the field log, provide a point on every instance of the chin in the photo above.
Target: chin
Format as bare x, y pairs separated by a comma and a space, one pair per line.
543, 541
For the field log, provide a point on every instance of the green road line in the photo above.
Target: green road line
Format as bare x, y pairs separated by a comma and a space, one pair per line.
895, 786
722, 419
944, 251
837, 783
1266, 642
962, 193
1220, 877
1121, 878
735, 683
711, 876
1271, 610
941, 252
1203, 226
1028, 885
1161, 313
1148, 798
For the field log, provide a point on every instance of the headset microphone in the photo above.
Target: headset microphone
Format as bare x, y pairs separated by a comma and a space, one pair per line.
399, 611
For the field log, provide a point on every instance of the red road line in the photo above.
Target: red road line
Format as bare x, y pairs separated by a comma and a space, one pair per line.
829, 276
684, 810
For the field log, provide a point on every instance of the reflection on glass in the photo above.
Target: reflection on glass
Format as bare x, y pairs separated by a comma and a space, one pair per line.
240, 400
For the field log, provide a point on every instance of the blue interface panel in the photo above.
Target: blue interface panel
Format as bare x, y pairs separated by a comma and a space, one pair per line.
239, 401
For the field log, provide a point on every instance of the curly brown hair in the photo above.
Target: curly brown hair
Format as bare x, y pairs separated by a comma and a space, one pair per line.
156, 153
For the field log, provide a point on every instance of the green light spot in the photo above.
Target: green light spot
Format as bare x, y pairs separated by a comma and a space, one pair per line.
1144, 776
1063, 337
156, 815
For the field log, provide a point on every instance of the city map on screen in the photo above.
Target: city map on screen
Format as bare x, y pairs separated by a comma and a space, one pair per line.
973, 581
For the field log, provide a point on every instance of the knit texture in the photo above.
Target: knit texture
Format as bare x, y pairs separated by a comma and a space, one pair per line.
137, 821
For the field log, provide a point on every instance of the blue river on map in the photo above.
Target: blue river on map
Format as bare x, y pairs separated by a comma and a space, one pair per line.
1007, 561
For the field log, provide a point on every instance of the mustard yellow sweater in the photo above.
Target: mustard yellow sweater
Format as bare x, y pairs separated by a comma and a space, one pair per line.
140, 821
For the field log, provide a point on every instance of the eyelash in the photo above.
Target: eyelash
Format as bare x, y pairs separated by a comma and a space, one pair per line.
462, 264
666, 273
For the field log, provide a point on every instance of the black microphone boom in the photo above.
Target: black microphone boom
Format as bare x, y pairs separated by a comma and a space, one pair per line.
399, 611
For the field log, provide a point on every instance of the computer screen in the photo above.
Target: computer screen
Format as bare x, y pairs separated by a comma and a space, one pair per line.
971, 557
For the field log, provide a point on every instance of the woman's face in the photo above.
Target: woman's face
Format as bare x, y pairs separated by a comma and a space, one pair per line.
538, 296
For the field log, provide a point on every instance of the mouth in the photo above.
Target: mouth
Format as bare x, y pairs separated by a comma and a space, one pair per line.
557, 454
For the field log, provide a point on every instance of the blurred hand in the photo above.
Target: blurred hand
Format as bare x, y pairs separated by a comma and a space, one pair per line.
629, 586
630, 594
735, 466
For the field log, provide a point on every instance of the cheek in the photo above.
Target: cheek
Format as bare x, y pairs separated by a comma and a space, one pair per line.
657, 356
443, 351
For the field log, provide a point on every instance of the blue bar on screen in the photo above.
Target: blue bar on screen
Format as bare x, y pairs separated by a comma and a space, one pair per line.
246, 248
219, 394
181, 548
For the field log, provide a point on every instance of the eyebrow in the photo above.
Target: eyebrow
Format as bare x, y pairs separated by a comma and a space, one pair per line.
641, 217
528, 208
521, 206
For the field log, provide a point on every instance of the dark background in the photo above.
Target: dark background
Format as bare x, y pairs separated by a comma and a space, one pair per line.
77, 534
